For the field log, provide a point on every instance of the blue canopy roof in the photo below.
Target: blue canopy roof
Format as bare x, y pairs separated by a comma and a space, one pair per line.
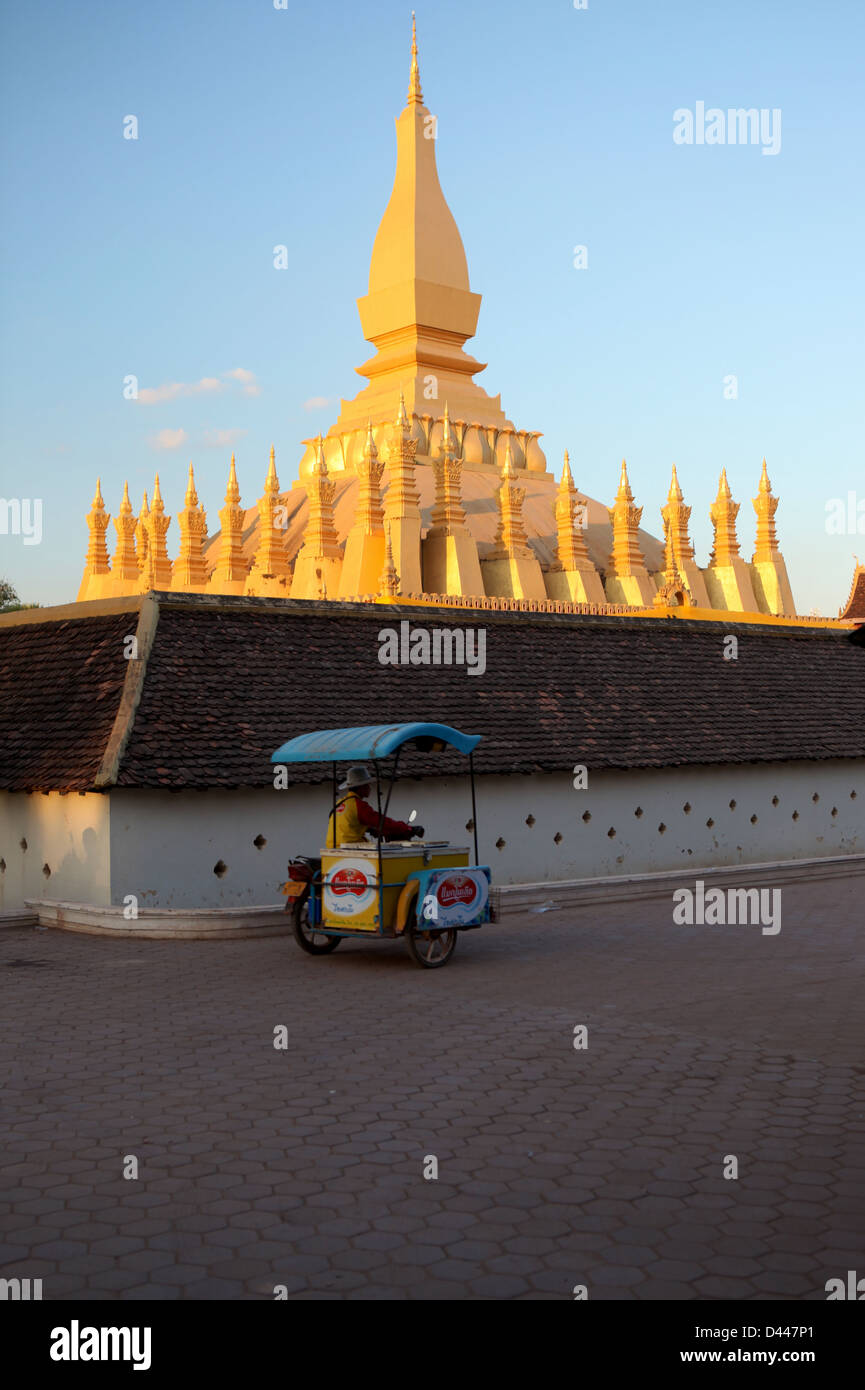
370, 741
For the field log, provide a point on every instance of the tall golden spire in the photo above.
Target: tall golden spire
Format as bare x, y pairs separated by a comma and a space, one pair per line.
625, 517
765, 505
571, 550
229, 575
414, 92
723, 512
369, 515
97, 522
447, 513
678, 549
271, 562
125, 564
318, 565
190, 569
419, 308
511, 536
97, 580
402, 501
159, 568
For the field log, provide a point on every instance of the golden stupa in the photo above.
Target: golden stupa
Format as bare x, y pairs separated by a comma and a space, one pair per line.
423, 490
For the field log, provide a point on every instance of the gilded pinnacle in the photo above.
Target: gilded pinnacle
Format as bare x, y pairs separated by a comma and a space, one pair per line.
415, 95
624, 492
320, 466
271, 482
126, 505
675, 493
232, 491
723, 486
191, 498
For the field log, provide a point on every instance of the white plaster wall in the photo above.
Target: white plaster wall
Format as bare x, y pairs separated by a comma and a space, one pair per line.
164, 846
68, 834
587, 849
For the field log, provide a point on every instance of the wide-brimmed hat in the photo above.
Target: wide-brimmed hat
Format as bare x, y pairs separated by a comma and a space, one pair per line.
357, 776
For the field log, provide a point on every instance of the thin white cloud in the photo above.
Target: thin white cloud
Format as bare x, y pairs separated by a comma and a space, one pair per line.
170, 390
168, 439
316, 403
222, 439
246, 380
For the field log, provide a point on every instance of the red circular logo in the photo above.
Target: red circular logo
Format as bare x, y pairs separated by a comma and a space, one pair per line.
457, 889
349, 881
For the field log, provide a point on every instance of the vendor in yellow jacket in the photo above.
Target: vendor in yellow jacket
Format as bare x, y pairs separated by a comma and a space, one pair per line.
355, 817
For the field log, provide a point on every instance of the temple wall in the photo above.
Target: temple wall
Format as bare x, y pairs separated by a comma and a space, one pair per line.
165, 846
68, 834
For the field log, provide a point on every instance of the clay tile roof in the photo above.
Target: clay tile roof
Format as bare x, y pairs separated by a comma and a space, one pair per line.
228, 680
855, 607
60, 687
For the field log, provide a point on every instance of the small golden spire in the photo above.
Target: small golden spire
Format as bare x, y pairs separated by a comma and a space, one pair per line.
567, 476
232, 491
271, 482
389, 582
448, 440
191, 498
371, 450
125, 505
675, 493
764, 484
723, 512
415, 95
509, 471
158, 504
145, 505
624, 485
97, 496
319, 467
402, 416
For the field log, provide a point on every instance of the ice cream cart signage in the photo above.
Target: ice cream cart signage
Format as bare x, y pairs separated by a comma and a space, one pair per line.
351, 887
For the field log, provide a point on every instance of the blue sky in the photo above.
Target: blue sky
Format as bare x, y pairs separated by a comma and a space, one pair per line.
555, 128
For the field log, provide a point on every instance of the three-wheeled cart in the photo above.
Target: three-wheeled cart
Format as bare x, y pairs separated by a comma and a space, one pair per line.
423, 891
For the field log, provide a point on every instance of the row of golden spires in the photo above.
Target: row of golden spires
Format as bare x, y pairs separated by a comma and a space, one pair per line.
445, 558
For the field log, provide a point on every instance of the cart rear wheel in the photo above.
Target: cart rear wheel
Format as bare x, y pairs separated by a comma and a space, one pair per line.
430, 949
315, 943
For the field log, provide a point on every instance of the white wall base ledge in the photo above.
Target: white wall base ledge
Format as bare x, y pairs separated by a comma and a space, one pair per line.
181, 924
21, 917
584, 892
234, 923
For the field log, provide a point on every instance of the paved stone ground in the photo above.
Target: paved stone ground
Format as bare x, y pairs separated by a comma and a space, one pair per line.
304, 1167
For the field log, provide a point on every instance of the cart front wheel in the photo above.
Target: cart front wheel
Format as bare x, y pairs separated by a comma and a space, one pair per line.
430, 949
315, 943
